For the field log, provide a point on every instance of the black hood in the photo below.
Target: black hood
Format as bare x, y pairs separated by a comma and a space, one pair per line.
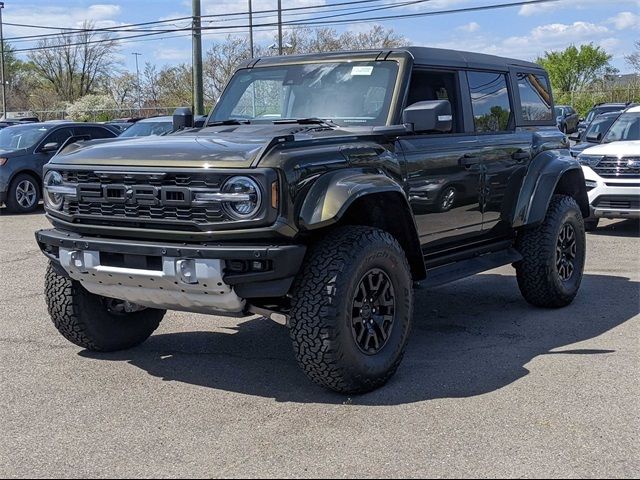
225, 146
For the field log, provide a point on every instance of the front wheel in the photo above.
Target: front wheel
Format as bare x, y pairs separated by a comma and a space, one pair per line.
351, 310
550, 273
94, 322
23, 194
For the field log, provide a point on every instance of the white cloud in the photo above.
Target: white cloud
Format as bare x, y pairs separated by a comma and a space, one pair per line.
555, 36
172, 54
541, 8
102, 15
625, 20
469, 27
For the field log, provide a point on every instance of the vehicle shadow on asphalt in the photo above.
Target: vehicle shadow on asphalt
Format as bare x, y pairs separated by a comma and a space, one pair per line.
624, 228
4, 212
469, 338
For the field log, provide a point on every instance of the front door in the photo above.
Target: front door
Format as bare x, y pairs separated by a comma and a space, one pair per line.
444, 178
443, 170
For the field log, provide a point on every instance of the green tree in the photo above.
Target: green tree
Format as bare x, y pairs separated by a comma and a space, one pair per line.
576, 68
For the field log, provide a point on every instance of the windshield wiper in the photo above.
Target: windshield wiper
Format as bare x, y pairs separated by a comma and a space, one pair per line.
305, 121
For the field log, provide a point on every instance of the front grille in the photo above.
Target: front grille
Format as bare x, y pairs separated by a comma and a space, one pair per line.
161, 180
614, 167
611, 202
139, 215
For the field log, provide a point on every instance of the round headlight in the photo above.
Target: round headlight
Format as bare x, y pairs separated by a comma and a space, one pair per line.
51, 199
248, 201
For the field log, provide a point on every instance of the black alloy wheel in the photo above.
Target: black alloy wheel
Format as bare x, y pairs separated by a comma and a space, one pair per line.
373, 310
566, 252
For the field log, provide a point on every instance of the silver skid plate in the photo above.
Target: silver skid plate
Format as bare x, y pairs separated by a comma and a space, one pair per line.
193, 285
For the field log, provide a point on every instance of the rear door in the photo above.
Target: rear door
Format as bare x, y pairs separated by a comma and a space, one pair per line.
503, 151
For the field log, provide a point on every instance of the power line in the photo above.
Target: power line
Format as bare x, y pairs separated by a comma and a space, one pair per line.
122, 28
317, 21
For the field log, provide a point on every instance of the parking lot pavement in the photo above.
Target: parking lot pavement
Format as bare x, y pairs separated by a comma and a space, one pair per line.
489, 387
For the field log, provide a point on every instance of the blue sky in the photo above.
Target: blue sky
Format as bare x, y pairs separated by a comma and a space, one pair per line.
521, 32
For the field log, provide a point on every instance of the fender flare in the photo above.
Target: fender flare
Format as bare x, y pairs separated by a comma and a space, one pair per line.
331, 196
548, 171
333, 193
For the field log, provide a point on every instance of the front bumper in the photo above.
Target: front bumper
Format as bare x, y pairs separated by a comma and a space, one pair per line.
205, 278
612, 198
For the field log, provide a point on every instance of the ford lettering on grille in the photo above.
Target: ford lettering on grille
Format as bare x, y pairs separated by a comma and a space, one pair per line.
134, 194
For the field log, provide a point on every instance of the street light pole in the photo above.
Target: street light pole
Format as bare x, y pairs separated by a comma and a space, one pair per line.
2, 79
136, 54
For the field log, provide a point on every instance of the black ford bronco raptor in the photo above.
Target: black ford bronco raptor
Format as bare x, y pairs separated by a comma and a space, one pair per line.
321, 190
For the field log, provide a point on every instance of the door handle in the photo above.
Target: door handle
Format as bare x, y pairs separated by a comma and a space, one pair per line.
468, 160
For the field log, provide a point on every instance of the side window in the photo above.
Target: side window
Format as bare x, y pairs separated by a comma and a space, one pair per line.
429, 85
58, 136
94, 132
535, 97
490, 98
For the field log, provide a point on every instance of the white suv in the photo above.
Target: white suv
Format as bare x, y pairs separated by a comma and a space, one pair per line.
612, 173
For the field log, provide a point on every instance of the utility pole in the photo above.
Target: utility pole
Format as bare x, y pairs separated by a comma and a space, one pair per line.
280, 27
2, 79
198, 88
136, 54
251, 29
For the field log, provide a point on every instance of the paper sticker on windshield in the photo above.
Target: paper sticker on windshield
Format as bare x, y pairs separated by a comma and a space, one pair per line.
361, 70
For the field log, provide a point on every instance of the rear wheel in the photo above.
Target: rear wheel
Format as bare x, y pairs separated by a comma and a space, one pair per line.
23, 195
351, 310
550, 273
94, 322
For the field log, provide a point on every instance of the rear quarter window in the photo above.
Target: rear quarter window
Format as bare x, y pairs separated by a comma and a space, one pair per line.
535, 97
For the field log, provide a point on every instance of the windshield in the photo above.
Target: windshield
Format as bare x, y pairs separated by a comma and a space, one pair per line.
600, 125
22, 136
558, 111
625, 128
347, 93
597, 111
145, 129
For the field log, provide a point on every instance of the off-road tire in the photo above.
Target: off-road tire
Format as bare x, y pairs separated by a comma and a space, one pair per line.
321, 314
12, 203
83, 319
538, 276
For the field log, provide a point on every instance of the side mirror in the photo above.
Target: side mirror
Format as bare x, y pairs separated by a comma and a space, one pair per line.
429, 116
182, 118
594, 137
50, 147
574, 137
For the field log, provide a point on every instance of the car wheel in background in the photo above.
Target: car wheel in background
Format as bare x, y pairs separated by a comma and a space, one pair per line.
24, 194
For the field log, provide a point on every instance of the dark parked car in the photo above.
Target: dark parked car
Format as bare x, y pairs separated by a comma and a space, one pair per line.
594, 134
26, 148
155, 126
567, 118
597, 110
303, 199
